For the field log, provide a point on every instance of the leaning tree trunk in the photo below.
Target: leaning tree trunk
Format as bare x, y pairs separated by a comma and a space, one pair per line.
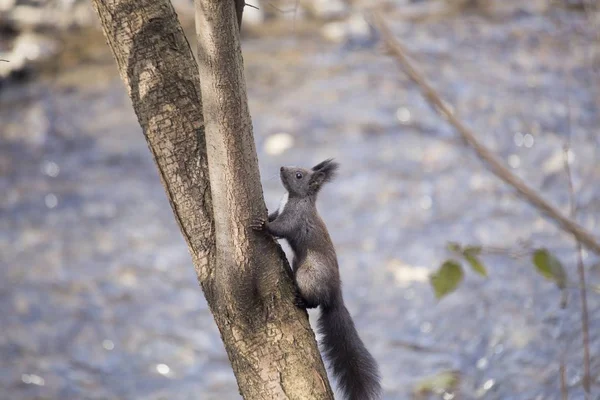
244, 275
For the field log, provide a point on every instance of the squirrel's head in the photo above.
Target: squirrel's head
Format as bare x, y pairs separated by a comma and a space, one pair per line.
302, 182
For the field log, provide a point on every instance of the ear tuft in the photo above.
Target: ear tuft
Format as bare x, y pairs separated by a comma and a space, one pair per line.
323, 172
328, 168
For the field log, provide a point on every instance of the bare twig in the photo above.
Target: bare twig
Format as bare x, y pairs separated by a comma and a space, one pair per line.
577, 285
584, 322
487, 156
563, 380
586, 381
418, 347
281, 10
581, 273
524, 251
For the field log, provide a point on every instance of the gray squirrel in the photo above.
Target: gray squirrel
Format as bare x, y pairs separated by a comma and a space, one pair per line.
317, 278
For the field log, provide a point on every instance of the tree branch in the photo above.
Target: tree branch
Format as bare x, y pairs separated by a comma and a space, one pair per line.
585, 324
239, 11
487, 156
274, 353
161, 78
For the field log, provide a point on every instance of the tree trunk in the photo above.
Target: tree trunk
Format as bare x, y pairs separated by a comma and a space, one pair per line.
244, 275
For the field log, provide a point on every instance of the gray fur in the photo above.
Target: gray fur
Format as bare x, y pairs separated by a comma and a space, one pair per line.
316, 273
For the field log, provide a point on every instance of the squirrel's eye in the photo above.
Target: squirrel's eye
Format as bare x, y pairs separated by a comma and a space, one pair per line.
298, 175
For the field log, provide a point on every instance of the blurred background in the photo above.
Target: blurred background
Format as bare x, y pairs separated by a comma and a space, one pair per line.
98, 296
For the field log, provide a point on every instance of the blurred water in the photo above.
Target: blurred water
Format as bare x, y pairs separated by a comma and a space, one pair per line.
98, 297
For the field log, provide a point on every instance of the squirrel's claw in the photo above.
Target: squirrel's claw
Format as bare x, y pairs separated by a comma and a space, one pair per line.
258, 224
299, 301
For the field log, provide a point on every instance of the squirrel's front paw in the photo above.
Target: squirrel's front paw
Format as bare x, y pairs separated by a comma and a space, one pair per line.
299, 301
258, 224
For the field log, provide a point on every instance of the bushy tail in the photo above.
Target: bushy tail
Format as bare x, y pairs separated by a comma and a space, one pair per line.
353, 366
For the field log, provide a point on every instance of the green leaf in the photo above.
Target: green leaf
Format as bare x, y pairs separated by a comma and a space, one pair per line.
447, 278
550, 267
475, 263
445, 381
454, 247
471, 253
473, 250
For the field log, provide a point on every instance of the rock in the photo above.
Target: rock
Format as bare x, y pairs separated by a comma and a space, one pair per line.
27, 47
335, 31
26, 20
6, 5
327, 9
355, 31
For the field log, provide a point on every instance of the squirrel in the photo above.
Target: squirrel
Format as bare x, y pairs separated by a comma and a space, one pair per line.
317, 278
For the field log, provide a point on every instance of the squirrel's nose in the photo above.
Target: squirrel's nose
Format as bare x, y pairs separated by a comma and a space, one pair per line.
281, 169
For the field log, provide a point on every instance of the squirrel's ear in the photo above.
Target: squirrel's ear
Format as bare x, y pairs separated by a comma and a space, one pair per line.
317, 179
322, 164
328, 167
323, 172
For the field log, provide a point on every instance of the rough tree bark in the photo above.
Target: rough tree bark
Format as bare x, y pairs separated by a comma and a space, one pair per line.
244, 275
250, 264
